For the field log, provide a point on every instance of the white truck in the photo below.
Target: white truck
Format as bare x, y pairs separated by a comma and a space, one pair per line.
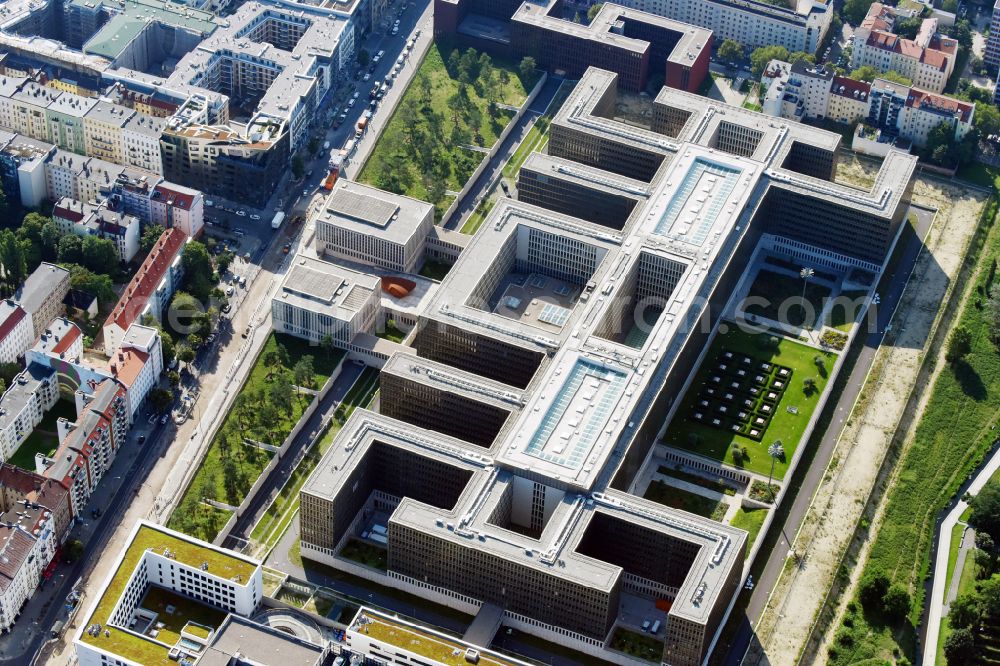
279, 217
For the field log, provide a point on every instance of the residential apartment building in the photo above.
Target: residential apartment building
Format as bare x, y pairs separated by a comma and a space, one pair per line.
991, 56
752, 23
138, 364
28, 542
893, 110
89, 445
84, 219
104, 131
32, 393
150, 290
42, 295
22, 169
65, 116
141, 142
848, 100
156, 201
927, 60
796, 91
17, 485
366, 225
16, 331
177, 207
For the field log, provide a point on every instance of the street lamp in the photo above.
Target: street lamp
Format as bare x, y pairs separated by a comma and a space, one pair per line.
776, 450
805, 274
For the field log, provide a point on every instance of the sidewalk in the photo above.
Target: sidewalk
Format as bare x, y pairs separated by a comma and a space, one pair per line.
936, 604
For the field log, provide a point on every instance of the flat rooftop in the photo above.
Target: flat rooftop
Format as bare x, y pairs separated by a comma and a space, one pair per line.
364, 209
239, 636
324, 287
148, 537
133, 17
425, 642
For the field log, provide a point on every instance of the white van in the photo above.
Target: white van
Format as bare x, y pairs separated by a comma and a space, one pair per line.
655, 628
645, 626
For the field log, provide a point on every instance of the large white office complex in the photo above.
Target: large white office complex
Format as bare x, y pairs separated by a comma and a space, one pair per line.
498, 473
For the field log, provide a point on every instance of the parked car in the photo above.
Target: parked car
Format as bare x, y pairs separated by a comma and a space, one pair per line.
255, 216
163, 419
367, 76
241, 213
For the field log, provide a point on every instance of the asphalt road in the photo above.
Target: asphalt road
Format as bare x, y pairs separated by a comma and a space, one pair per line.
481, 188
348, 375
890, 290
119, 486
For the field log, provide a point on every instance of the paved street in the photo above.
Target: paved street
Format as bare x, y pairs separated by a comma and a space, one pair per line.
120, 485
890, 290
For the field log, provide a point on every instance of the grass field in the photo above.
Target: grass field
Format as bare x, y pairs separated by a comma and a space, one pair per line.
478, 216
231, 466
43, 438
783, 299
785, 426
962, 408
750, 520
427, 139
686, 501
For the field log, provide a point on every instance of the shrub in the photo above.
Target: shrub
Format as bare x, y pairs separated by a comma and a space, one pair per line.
872, 589
896, 603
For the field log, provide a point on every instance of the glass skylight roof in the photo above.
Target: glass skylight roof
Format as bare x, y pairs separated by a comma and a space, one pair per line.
697, 202
576, 414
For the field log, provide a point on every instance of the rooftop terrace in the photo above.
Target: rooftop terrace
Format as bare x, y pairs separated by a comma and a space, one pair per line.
148, 537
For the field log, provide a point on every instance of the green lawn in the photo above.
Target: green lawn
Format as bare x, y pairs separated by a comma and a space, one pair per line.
783, 296
950, 441
232, 465
43, 439
785, 426
426, 142
980, 174
641, 646
750, 520
661, 493
185, 609
534, 141
844, 310
478, 216
953, 544
392, 332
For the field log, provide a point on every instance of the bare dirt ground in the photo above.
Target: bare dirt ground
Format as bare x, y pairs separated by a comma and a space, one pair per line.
800, 593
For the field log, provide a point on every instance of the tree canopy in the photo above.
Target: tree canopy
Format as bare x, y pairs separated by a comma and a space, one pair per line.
765, 54
198, 274
730, 50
